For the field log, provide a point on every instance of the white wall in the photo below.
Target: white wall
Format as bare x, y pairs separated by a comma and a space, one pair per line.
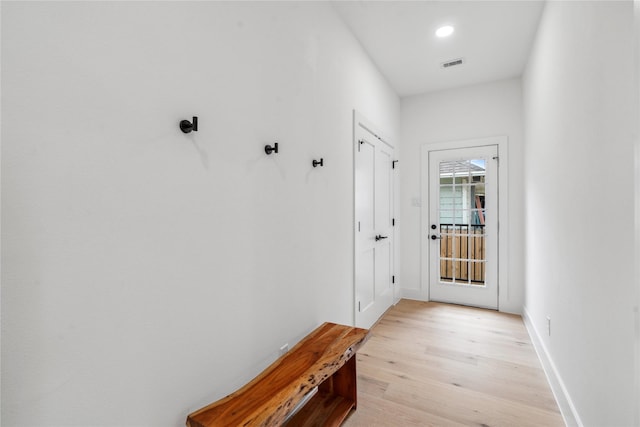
636, 4
147, 272
579, 186
470, 112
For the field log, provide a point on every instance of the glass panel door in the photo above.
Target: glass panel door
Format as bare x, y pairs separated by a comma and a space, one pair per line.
463, 229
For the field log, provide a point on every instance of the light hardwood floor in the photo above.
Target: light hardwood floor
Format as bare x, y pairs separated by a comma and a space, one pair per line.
432, 364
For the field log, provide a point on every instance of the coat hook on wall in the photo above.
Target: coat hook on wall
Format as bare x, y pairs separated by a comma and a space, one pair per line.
186, 126
269, 149
317, 163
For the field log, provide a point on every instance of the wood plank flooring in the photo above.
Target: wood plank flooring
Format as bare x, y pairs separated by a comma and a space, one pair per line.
432, 364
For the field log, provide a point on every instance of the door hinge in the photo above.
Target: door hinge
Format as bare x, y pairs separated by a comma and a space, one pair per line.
393, 164
393, 279
358, 226
359, 307
393, 222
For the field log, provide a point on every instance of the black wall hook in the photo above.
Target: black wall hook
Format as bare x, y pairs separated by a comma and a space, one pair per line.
269, 149
317, 163
186, 126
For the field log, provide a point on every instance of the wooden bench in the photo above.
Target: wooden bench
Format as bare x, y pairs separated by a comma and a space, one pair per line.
314, 384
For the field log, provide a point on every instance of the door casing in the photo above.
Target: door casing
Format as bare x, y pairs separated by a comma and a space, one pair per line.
503, 214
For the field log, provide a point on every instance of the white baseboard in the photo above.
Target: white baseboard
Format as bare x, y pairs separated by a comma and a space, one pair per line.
568, 410
414, 294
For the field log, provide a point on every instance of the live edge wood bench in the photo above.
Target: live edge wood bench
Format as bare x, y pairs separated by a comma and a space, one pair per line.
314, 384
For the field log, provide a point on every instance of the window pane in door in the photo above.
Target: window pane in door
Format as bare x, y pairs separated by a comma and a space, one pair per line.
462, 222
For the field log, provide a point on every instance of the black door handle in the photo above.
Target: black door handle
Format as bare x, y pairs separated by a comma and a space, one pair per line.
380, 237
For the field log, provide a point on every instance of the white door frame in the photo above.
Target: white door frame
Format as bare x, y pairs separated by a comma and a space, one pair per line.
503, 211
360, 121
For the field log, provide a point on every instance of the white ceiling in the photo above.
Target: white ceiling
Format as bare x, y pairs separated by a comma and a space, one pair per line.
493, 37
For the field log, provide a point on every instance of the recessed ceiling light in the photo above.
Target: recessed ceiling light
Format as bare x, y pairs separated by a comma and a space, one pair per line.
445, 31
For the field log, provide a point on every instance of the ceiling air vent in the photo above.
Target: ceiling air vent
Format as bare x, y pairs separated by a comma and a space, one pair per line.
452, 63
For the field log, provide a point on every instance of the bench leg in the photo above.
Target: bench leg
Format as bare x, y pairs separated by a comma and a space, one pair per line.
343, 382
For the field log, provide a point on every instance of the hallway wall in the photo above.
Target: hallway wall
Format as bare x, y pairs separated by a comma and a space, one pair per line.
489, 109
636, 4
579, 185
147, 272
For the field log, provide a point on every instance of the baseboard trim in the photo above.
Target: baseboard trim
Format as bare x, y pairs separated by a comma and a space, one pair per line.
414, 294
568, 410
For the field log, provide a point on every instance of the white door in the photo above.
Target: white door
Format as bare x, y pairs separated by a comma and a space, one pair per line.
373, 227
463, 226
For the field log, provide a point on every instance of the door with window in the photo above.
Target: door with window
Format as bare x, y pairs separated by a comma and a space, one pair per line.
374, 237
463, 226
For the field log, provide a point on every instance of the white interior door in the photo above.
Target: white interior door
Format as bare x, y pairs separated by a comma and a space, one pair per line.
463, 226
374, 237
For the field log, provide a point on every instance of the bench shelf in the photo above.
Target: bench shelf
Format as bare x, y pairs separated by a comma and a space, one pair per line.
323, 410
